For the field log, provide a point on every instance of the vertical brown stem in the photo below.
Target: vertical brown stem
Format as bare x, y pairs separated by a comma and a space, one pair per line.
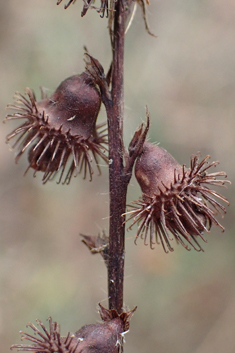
118, 185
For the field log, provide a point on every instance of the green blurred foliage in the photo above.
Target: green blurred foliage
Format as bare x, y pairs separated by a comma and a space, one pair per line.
186, 77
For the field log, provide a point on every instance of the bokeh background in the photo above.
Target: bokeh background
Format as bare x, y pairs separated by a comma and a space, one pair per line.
186, 300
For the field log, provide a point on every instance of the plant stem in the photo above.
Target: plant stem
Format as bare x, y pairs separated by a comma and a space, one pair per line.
117, 182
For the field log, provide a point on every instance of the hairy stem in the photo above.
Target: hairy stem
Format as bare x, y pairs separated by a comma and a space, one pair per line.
118, 183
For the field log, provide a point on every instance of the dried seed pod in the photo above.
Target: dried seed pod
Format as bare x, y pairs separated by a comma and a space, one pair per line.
95, 338
60, 127
175, 199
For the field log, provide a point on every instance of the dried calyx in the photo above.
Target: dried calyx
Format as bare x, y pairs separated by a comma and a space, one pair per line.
175, 199
105, 337
60, 129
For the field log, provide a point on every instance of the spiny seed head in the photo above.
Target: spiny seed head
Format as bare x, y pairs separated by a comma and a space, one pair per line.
105, 337
175, 199
77, 102
149, 170
60, 129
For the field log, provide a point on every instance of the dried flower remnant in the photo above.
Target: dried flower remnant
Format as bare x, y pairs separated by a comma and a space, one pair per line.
176, 199
105, 6
60, 129
142, 4
105, 337
68, 4
97, 244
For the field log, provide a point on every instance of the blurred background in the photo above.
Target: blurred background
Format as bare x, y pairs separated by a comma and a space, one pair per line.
186, 300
